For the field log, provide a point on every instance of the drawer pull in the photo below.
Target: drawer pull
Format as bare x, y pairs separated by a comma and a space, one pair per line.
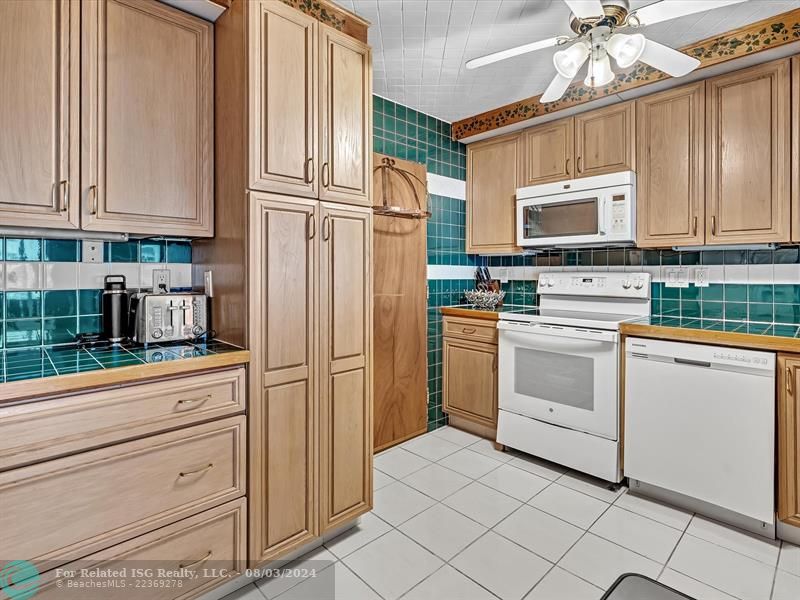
192, 401
468, 330
196, 471
197, 562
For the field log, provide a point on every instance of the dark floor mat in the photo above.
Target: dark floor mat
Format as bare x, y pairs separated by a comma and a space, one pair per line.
638, 587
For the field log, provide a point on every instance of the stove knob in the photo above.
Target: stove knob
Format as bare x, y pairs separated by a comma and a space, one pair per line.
157, 333
626, 284
639, 284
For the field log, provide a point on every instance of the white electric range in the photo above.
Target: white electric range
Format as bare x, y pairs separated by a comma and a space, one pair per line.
559, 369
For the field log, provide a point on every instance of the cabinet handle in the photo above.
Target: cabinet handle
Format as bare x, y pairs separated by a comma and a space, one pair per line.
190, 401
566, 166
196, 471
325, 174
197, 562
789, 390
468, 330
713, 225
494, 363
310, 170
65, 197
326, 228
312, 226
580, 164
93, 195
694, 225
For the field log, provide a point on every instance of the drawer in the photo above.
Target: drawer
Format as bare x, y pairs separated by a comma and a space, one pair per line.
63, 509
471, 329
43, 429
213, 540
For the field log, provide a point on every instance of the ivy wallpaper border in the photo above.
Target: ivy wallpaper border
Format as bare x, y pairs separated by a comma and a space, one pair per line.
336, 17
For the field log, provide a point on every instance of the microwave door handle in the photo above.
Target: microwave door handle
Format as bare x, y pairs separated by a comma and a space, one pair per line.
602, 220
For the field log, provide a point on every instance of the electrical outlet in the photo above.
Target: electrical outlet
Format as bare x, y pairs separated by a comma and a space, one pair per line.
92, 251
161, 281
701, 277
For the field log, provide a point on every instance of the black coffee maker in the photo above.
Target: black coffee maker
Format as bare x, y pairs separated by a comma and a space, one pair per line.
115, 309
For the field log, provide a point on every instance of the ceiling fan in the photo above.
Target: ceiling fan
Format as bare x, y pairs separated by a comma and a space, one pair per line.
597, 24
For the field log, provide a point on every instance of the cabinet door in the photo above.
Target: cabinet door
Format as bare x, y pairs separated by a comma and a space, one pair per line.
283, 102
796, 149
345, 118
670, 191
749, 156
469, 383
548, 151
492, 175
604, 140
345, 280
283, 398
147, 119
789, 439
39, 110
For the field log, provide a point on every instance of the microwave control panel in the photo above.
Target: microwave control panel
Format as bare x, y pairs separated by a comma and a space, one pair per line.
619, 215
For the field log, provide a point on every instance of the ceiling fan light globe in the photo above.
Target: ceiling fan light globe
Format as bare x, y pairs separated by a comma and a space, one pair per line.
626, 49
600, 73
568, 62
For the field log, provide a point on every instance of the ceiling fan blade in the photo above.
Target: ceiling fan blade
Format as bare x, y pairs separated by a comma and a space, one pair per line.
511, 52
666, 59
672, 9
586, 9
556, 88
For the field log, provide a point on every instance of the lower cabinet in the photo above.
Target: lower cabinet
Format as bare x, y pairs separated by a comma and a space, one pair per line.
789, 439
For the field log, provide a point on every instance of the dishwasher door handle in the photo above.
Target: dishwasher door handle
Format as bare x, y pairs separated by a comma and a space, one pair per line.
694, 363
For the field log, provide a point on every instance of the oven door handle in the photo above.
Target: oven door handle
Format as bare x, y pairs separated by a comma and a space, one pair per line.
523, 334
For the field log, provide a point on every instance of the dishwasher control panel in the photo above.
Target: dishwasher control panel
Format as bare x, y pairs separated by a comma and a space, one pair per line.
701, 355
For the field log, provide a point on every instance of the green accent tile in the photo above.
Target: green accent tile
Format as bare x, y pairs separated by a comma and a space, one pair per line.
89, 302
787, 294
61, 330
713, 310
690, 258
736, 311
735, 257
152, 252
23, 249
787, 313
761, 312
61, 250
787, 256
25, 332
670, 293
760, 293
179, 252
690, 308
60, 303
690, 293
714, 292
23, 305
123, 252
90, 324
713, 257
735, 292
670, 307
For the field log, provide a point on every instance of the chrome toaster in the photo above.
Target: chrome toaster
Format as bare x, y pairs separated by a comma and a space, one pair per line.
170, 317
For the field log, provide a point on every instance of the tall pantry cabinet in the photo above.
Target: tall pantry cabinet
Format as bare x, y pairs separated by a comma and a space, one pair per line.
292, 262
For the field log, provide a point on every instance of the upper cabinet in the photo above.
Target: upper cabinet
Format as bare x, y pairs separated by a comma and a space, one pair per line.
147, 119
548, 153
670, 156
748, 173
283, 111
604, 140
39, 109
345, 118
492, 175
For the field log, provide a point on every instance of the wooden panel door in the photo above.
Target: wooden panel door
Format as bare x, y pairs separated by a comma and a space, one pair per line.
670, 189
39, 111
796, 149
492, 176
147, 119
548, 153
283, 398
469, 384
749, 156
345, 308
789, 439
604, 140
345, 118
400, 309
283, 99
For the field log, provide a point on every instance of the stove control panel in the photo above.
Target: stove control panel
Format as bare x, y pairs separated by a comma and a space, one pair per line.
615, 285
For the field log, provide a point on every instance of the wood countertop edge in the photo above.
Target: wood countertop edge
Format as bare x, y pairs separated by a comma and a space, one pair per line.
469, 313
76, 382
719, 338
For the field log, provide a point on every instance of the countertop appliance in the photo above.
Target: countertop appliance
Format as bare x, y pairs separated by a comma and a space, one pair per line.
592, 211
168, 317
700, 429
559, 369
115, 309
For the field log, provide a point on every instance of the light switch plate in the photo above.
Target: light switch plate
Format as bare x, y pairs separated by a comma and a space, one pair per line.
92, 251
502, 274
676, 277
701, 277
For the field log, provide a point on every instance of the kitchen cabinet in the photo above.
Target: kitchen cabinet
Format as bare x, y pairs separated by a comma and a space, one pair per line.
492, 175
345, 310
39, 111
796, 149
749, 155
789, 439
147, 119
284, 103
469, 370
604, 140
548, 152
670, 192
283, 398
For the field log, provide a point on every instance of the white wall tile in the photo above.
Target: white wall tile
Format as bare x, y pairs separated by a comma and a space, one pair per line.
449, 187
2, 276
130, 271
146, 273
60, 276
760, 274
23, 275
787, 274
735, 273
716, 273
90, 275
180, 275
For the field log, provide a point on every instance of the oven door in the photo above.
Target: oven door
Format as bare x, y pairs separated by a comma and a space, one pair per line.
560, 375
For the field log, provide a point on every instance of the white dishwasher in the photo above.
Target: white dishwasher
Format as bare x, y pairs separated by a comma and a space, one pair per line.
700, 429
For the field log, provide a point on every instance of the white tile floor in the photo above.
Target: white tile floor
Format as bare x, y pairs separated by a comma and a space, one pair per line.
456, 520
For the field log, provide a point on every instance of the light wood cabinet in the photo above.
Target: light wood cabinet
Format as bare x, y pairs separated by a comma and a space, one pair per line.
492, 175
789, 439
283, 398
39, 112
749, 155
604, 140
469, 386
345, 310
548, 152
345, 118
670, 192
796, 149
147, 119
283, 99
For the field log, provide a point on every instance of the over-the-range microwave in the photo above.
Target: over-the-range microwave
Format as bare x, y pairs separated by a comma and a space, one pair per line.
593, 211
